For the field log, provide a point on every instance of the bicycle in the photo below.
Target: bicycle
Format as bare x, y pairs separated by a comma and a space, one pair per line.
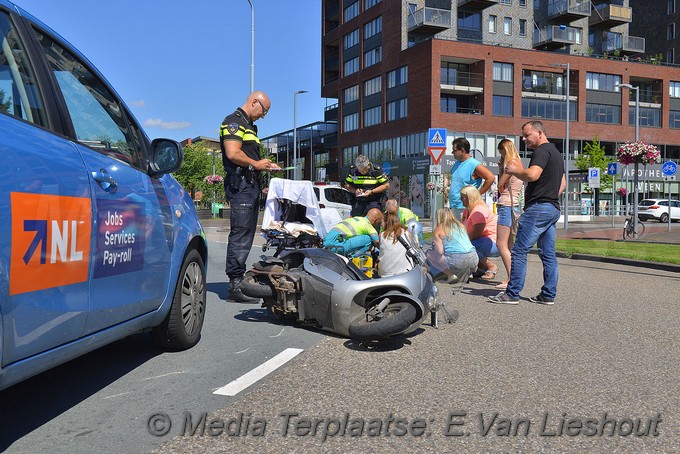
629, 225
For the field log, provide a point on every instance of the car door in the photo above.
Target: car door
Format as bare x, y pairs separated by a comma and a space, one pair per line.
46, 220
132, 221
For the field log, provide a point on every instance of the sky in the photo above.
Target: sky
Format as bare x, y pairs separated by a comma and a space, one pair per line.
181, 67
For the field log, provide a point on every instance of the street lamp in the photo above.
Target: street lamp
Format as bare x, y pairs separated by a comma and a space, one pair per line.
566, 151
252, 47
295, 149
637, 136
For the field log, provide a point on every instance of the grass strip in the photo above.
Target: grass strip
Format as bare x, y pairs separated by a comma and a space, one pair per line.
664, 253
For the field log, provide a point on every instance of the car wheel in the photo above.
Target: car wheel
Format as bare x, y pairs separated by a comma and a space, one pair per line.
181, 328
663, 218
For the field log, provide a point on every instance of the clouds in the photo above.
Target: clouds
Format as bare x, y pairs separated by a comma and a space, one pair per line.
140, 103
159, 123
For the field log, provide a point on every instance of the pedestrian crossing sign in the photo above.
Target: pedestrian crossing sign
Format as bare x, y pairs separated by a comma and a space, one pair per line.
436, 138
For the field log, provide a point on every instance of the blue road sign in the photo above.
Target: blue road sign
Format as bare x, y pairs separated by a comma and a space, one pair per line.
612, 168
669, 168
436, 137
594, 172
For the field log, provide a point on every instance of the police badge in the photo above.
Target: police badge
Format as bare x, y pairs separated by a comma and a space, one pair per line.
232, 128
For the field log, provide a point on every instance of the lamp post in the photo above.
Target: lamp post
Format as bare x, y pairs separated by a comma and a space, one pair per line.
637, 136
295, 149
566, 150
252, 47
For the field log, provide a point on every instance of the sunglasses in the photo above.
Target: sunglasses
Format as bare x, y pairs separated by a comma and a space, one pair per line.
264, 111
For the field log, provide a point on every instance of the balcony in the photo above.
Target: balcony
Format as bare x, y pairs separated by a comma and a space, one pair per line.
429, 20
556, 36
568, 10
633, 45
476, 5
607, 15
455, 82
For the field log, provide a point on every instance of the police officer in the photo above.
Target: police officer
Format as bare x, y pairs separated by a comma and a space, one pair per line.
368, 183
242, 163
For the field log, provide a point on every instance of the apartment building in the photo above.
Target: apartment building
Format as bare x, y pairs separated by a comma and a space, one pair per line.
482, 68
657, 21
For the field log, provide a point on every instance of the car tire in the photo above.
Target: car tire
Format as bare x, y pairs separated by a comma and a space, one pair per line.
181, 328
663, 218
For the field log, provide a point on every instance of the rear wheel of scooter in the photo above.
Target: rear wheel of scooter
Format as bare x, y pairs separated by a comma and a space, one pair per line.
397, 317
254, 287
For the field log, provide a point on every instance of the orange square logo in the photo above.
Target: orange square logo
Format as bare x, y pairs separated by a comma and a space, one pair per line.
51, 237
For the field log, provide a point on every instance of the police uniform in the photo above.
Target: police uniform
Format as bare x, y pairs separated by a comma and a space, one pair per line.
242, 187
374, 178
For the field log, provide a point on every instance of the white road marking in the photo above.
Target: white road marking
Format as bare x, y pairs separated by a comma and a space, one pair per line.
165, 375
116, 395
279, 333
242, 351
258, 373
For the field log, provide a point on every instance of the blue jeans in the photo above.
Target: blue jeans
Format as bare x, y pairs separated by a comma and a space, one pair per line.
536, 226
354, 246
485, 247
504, 216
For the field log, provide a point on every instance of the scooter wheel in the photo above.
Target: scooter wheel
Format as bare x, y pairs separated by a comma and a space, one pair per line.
398, 317
252, 287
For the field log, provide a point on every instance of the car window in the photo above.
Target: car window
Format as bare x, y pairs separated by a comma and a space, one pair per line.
663, 203
675, 204
332, 196
316, 193
646, 203
19, 94
98, 118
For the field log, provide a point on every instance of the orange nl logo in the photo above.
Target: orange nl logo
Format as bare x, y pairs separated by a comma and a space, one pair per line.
50, 241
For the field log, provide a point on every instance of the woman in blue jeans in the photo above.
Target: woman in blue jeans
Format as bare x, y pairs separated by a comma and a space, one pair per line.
481, 225
509, 188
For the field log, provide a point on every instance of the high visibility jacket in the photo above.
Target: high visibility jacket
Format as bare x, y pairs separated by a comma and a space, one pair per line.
406, 215
374, 178
358, 225
237, 126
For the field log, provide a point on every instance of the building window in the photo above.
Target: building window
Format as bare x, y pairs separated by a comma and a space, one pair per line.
502, 71
350, 94
602, 82
397, 77
352, 39
522, 27
502, 105
372, 57
549, 109
373, 86
351, 66
352, 11
648, 116
670, 31
671, 6
675, 90
372, 116
350, 122
492, 23
397, 109
505, 2
373, 28
349, 154
370, 3
507, 25
523, 3
469, 21
674, 119
670, 56
603, 113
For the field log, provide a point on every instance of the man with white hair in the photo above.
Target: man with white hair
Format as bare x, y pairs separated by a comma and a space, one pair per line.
368, 183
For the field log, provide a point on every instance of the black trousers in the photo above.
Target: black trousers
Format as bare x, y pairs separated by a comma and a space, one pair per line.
361, 207
244, 207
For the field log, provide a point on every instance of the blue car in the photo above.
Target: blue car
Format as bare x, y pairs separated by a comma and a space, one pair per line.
97, 240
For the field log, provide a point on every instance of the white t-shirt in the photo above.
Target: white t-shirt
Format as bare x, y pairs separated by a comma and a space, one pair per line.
393, 259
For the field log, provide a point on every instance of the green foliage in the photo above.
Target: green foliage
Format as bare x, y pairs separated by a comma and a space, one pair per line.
4, 103
594, 156
198, 164
665, 253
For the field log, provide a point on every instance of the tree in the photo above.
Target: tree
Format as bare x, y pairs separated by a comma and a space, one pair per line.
594, 156
4, 103
198, 164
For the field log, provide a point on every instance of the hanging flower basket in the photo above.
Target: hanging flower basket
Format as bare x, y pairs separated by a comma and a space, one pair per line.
430, 186
637, 152
214, 179
622, 191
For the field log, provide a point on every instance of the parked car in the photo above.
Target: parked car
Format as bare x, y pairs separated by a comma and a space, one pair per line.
332, 195
97, 240
658, 209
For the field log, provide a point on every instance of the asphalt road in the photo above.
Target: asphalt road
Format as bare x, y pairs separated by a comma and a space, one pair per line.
557, 379
102, 401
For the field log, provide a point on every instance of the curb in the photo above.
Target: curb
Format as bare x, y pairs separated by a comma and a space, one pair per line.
621, 261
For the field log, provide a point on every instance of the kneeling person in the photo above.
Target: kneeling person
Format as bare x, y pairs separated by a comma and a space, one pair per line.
355, 236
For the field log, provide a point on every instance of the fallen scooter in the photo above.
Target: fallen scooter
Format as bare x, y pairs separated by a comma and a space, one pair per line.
323, 289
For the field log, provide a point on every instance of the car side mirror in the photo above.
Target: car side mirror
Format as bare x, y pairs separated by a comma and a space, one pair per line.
166, 157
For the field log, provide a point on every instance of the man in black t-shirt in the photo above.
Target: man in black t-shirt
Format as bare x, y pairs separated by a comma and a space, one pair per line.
545, 183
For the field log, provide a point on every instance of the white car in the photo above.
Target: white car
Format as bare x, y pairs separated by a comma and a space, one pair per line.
658, 209
332, 195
